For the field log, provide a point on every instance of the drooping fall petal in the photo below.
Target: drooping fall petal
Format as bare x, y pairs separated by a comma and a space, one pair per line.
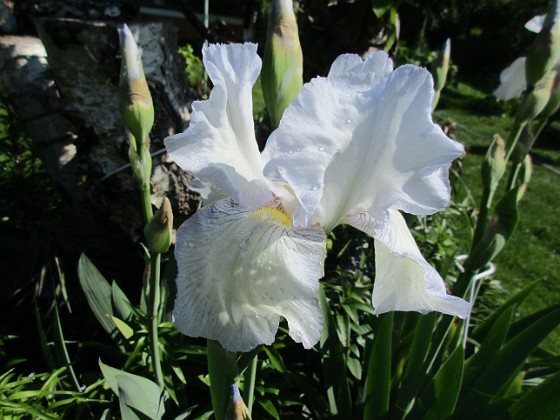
240, 270
404, 281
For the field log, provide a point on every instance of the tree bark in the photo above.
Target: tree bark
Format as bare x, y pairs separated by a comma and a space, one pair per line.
65, 85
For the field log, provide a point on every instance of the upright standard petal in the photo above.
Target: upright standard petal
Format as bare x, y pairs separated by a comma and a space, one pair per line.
404, 281
240, 270
364, 72
512, 80
219, 147
352, 141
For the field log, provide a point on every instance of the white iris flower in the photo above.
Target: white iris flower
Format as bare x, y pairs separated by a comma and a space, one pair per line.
355, 147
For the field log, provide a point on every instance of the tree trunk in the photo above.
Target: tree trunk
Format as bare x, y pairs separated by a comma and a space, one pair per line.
64, 86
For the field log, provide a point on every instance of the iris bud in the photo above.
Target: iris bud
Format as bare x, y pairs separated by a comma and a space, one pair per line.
159, 231
494, 163
135, 100
535, 100
545, 51
282, 73
498, 232
236, 408
441, 70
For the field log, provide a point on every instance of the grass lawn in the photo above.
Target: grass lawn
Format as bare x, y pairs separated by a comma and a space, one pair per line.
532, 252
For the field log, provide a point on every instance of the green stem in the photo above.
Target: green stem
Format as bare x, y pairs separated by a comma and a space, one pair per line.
485, 205
513, 138
145, 196
538, 126
154, 302
222, 369
249, 383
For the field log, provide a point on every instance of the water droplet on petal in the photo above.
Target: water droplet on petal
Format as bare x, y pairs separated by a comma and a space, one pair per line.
348, 121
322, 148
291, 152
223, 317
314, 188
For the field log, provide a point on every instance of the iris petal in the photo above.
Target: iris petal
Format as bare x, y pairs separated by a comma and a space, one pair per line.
535, 24
219, 147
356, 141
246, 269
512, 81
404, 281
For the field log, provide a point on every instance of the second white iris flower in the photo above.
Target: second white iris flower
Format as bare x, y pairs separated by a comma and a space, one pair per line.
354, 148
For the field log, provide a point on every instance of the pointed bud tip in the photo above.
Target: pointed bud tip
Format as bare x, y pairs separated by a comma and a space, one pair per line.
159, 231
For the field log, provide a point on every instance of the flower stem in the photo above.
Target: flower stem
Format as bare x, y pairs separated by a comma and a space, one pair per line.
145, 197
249, 383
481, 221
222, 369
536, 128
155, 298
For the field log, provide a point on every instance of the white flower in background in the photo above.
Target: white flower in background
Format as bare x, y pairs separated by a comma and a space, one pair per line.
355, 147
513, 79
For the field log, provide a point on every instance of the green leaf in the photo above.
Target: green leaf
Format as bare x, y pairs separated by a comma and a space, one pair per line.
378, 380
440, 396
98, 294
351, 312
541, 402
121, 304
270, 408
355, 367
502, 369
61, 352
490, 345
334, 366
497, 233
123, 327
275, 359
317, 402
482, 329
415, 368
139, 397
47, 353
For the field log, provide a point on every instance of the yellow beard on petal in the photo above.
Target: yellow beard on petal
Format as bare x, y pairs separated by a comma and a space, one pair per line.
273, 215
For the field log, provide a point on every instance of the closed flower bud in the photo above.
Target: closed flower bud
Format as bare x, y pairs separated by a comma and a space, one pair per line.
535, 101
494, 163
282, 73
498, 232
525, 177
159, 231
135, 100
441, 69
554, 101
545, 51
236, 409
